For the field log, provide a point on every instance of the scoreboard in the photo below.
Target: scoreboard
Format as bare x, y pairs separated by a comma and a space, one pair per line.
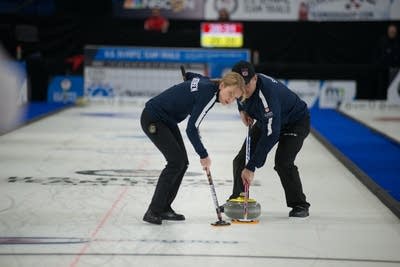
221, 34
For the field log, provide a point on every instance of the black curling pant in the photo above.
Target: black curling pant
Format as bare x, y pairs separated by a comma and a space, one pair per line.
169, 141
290, 142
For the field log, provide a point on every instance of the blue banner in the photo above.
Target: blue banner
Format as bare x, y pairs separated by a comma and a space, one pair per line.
180, 55
217, 60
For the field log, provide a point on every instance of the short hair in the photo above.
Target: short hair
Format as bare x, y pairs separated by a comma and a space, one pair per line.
234, 79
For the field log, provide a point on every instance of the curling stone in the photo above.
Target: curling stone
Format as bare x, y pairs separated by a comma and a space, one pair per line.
234, 208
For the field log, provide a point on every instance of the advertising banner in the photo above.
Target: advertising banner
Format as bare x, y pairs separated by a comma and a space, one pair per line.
346, 10
172, 9
123, 72
307, 90
264, 10
254, 10
65, 89
303, 10
329, 93
334, 93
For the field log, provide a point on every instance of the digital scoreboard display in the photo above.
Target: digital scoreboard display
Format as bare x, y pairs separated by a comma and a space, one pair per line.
221, 34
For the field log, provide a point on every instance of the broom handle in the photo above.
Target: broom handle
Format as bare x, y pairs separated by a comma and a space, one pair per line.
214, 194
246, 186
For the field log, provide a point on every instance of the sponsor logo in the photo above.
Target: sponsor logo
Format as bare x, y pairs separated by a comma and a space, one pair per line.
335, 92
100, 90
117, 178
48, 240
290, 134
245, 72
229, 5
66, 84
194, 84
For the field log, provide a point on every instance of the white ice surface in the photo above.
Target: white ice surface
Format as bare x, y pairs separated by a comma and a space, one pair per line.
97, 219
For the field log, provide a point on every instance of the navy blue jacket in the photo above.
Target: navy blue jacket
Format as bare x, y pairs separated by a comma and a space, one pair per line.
194, 97
274, 106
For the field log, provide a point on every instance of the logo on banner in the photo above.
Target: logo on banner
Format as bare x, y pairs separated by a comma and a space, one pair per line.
350, 10
352, 4
334, 93
100, 90
65, 84
229, 5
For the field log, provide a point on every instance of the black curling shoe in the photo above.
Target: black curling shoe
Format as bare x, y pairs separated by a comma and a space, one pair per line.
152, 217
299, 212
171, 215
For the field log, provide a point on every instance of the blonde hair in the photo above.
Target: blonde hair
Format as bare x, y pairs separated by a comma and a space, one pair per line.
234, 79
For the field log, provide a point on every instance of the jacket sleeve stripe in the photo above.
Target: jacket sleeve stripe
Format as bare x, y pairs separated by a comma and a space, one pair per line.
265, 104
269, 127
205, 110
